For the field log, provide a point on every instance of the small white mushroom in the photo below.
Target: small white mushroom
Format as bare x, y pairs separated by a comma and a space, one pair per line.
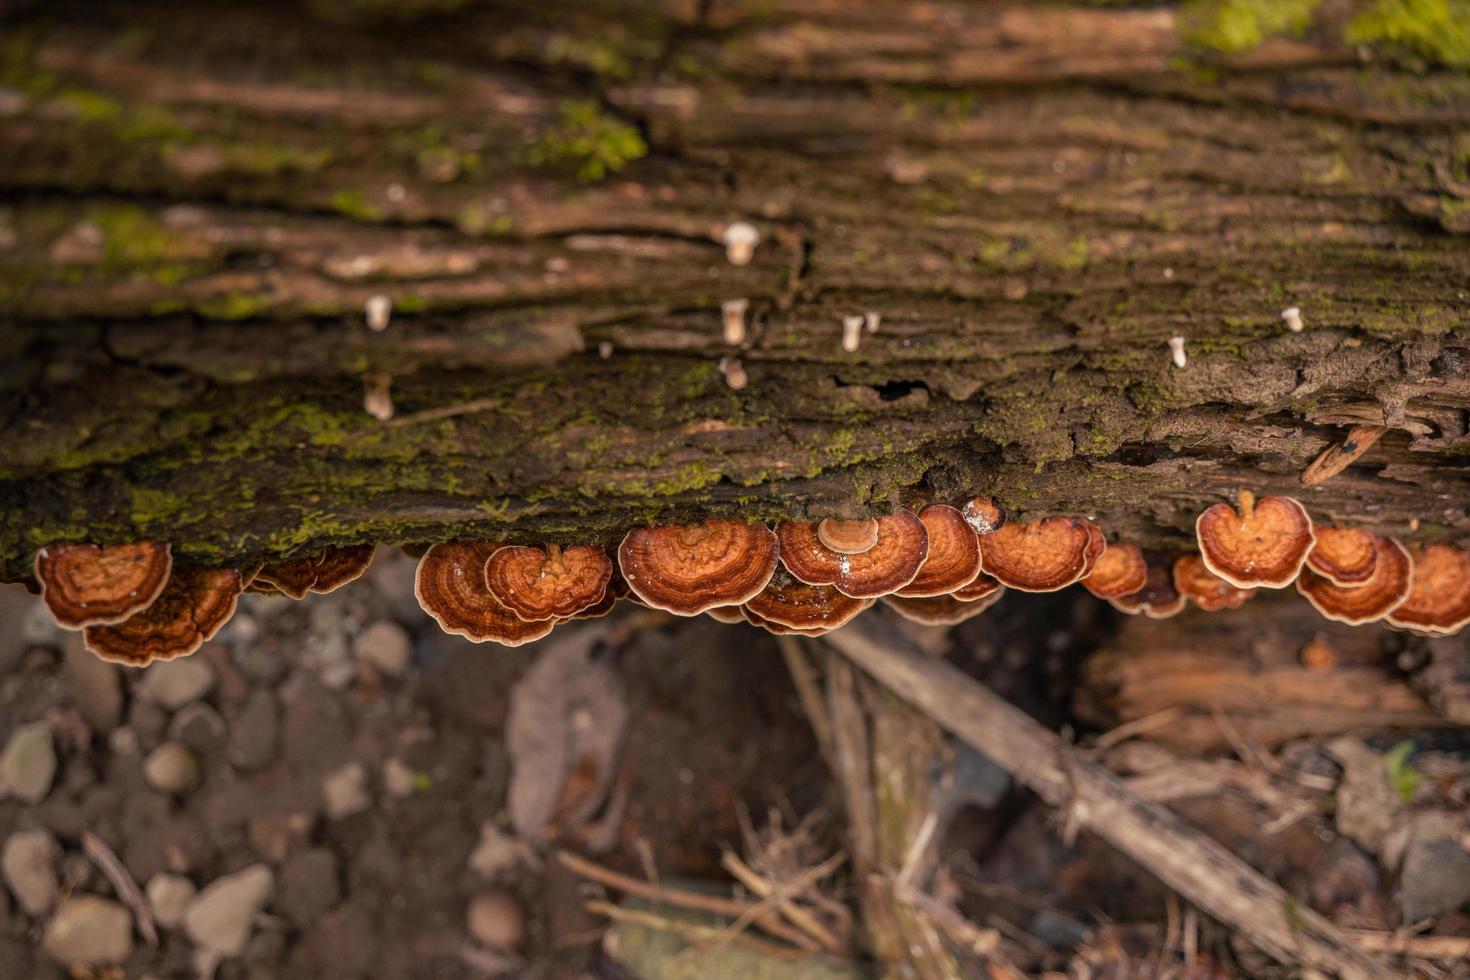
734, 372
378, 309
741, 238
1293, 317
1176, 348
734, 313
605, 349
376, 400
871, 319
852, 332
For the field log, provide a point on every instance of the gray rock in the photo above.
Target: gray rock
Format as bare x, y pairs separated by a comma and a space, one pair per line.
495, 919
89, 931
344, 791
385, 645
309, 886
171, 768
274, 835
174, 683
168, 896
29, 864
95, 687
28, 764
398, 779
220, 917
199, 727
253, 735
1435, 878
39, 629
498, 854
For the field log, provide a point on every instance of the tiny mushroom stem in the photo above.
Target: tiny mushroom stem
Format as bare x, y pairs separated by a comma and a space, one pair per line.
871, 320
376, 399
1293, 317
378, 309
1176, 349
605, 349
734, 314
852, 332
734, 372
741, 238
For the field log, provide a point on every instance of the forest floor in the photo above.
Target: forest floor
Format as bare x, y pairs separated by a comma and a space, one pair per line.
335, 788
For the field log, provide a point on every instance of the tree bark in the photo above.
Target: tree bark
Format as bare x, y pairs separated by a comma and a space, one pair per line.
199, 199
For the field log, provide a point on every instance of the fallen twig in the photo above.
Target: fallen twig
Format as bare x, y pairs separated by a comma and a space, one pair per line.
1450, 948
809, 691
122, 882
1199, 869
1339, 456
694, 931
783, 895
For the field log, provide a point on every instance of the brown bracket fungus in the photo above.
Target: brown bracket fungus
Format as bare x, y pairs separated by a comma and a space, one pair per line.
1204, 588
1345, 556
87, 585
193, 607
777, 629
889, 565
1042, 556
788, 602
1367, 601
729, 615
321, 573
1263, 546
690, 568
984, 515
1439, 599
953, 559
538, 584
1158, 599
1119, 570
941, 610
982, 586
848, 537
450, 586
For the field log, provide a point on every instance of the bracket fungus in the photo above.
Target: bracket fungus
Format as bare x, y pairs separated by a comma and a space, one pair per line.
776, 629
941, 610
687, 569
1204, 588
1439, 598
789, 602
891, 563
1262, 546
87, 585
450, 586
1366, 601
320, 573
538, 584
984, 515
1158, 599
193, 607
848, 537
953, 559
729, 615
1042, 556
1119, 570
1344, 556
982, 586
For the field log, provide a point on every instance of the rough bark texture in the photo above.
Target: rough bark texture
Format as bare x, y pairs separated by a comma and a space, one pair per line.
199, 198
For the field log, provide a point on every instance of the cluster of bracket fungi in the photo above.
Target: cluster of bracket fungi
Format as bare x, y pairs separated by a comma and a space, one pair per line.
938, 564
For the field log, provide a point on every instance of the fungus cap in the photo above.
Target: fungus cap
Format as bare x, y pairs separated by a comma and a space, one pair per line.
1158, 599
889, 565
1262, 546
450, 586
982, 586
87, 585
1439, 598
1344, 556
953, 558
686, 569
789, 602
1194, 581
1120, 570
189, 611
321, 573
730, 615
941, 610
538, 584
1364, 602
984, 515
848, 537
778, 629
1042, 556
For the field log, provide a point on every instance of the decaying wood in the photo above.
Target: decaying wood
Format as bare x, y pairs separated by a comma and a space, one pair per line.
200, 202
1202, 871
1339, 456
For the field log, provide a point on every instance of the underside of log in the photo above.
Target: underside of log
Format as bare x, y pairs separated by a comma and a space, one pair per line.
198, 200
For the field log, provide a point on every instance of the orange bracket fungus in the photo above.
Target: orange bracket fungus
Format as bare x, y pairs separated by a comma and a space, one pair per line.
776, 629
889, 565
982, 586
984, 515
1042, 556
1119, 570
1439, 599
322, 573
1344, 556
1263, 546
193, 607
687, 569
788, 602
848, 537
729, 615
1367, 601
86, 585
953, 559
1158, 599
450, 586
941, 610
548, 583
1204, 588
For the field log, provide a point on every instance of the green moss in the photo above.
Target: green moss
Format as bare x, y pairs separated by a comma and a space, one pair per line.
1437, 30
135, 237
1233, 26
587, 142
354, 203
235, 306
